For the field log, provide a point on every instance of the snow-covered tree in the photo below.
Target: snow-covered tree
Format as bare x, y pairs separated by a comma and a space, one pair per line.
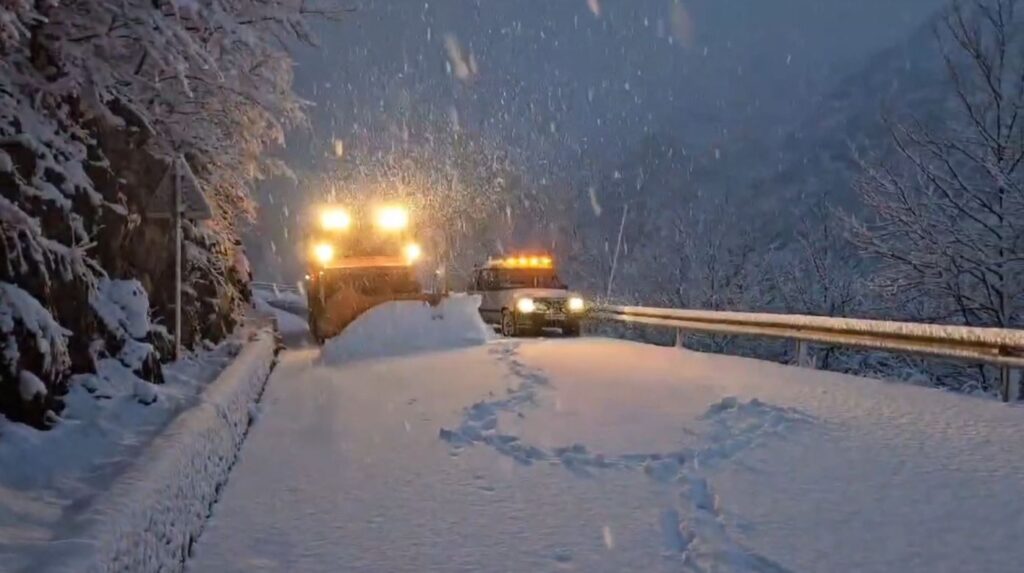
821, 273
95, 99
721, 264
948, 213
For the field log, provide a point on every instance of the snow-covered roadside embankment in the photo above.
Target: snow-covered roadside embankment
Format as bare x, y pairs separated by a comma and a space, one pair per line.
153, 513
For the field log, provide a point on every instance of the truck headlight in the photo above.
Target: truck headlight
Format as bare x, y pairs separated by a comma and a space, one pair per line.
412, 252
333, 219
323, 253
575, 304
392, 218
525, 305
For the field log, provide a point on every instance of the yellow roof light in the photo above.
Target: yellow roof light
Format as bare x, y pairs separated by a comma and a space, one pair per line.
392, 218
335, 219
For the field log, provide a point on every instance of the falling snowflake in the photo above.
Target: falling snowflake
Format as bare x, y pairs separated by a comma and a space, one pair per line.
594, 204
457, 62
609, 539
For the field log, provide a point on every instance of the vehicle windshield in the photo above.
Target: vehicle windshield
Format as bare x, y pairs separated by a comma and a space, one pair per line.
528, 278
365, 244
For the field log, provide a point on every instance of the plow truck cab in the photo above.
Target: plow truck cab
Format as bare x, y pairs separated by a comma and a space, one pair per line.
358, 259
523, 295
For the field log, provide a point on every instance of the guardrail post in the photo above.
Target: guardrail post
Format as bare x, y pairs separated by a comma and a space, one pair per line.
803, 358
1009, 380
680, 338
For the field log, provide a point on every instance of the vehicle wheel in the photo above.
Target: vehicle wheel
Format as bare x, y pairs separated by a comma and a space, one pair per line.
571, 330
508, 324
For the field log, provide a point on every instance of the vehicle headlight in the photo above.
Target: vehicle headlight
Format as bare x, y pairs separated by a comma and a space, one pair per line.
575, 304
392, 218
412, 252
525, 305
323, 253
335, 220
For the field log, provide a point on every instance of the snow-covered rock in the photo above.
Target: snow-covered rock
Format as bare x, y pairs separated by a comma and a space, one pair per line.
123, 305
30, 386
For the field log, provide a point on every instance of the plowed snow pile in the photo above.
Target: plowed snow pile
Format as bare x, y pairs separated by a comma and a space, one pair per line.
408, 327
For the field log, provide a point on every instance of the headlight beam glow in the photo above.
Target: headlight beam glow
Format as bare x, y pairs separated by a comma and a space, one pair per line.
392, 218
323, 253
412, 252
335, 219
525, 305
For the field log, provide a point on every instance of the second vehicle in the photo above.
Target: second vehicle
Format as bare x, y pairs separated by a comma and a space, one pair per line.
523, 296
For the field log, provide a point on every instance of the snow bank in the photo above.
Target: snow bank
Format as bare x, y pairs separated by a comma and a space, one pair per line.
291, 299
408, 327
287, 322
151, 516
288, 302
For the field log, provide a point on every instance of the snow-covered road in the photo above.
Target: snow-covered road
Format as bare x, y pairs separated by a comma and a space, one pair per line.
604, 455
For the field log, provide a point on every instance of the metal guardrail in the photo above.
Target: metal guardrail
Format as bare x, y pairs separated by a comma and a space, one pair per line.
274, 287
999, 347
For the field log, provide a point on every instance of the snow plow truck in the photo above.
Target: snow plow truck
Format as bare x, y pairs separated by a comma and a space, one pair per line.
358, 259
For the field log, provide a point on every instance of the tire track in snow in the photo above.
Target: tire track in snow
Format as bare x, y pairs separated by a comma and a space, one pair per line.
694, 531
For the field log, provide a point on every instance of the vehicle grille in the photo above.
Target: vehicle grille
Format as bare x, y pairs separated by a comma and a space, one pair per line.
550, 305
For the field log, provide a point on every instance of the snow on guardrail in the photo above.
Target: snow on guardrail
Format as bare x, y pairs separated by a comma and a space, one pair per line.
996, 346
274, 287
149, 519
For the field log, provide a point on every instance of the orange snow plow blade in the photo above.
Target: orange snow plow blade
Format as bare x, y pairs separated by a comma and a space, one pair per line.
345, 293
345, 309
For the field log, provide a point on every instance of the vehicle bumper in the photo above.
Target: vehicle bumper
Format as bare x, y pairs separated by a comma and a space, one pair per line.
536, 320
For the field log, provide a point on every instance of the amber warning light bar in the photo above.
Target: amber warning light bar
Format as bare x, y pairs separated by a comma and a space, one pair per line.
523, 262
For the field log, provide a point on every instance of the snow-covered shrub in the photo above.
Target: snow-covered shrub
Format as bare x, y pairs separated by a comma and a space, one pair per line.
123, 305
48, 209
32, 341
123, 308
